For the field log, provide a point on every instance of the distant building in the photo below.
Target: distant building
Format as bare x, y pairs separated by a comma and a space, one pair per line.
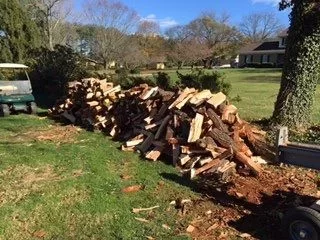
158, 63
268, 53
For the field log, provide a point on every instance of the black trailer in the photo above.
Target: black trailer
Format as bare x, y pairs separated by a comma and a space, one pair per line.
300, 223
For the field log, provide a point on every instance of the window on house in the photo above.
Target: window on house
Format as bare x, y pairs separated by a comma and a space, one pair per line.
283, 41
248, 58
265, 58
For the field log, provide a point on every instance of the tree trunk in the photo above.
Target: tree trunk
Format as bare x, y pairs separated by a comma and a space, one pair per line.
106, 65
301, 69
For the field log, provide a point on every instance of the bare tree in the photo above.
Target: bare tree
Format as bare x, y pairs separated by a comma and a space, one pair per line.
260, 26
148, 28
217, 34
51, 14
116, 21
134, 55
184, 47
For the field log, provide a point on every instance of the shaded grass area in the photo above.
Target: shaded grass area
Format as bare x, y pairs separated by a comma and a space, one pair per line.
73, 190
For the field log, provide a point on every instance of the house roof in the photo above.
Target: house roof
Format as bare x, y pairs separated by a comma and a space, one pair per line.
262, 47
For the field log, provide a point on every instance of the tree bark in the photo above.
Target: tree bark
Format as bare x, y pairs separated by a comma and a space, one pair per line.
301, 69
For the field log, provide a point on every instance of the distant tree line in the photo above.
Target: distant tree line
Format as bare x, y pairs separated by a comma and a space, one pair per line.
107, 31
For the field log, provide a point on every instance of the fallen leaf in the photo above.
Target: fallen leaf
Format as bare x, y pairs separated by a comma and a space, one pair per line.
134, 188
190, 229
125, 177
212, 227
150, 238
142, 220
165, 226
39, 234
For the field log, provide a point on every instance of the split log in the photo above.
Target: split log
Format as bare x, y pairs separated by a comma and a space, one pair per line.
194, 172
182, 96
217, 99
196, 128
155, 153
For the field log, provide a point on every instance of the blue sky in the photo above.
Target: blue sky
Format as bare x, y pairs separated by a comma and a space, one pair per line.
171, 12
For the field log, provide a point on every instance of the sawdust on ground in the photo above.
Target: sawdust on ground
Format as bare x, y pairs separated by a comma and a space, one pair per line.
248, 207
53, 133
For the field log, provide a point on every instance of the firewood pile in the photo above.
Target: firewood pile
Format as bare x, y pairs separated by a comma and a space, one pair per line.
197, 130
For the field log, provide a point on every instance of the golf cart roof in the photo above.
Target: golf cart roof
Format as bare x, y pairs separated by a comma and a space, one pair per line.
12, 65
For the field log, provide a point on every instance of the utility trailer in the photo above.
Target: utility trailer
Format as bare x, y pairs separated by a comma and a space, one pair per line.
300, 223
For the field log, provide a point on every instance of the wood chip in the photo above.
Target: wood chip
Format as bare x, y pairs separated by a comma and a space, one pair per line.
132, 189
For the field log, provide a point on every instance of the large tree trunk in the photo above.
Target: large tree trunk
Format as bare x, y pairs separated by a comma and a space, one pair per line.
301, 68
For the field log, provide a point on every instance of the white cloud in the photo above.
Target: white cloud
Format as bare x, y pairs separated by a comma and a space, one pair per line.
163, 22
273, 2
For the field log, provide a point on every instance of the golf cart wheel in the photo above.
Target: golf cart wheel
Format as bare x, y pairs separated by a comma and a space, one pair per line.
32, 108
301, 223
4, 110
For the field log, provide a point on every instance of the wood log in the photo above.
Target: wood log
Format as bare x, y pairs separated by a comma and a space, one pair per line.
134, 142
200, 97
149, 93
182, 96
69, 116
217, 99
184, 158
256, 168
175, 154
184, 101
90, 95
196, 128
162, 127
229, 114
194, 172
155, 153
93, 103
144, 147
217, 122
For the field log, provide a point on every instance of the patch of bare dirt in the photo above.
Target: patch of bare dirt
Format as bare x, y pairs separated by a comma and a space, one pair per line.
54, 133
248, 207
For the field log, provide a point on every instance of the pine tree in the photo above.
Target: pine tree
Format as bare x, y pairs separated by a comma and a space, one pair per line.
302, 65
18, 33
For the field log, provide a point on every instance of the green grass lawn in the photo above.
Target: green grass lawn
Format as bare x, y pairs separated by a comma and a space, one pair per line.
71, 188
258, 89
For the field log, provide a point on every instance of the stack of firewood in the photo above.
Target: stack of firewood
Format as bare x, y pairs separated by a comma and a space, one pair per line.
198, 130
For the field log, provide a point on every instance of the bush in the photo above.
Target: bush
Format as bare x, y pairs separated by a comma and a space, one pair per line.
121, 71
164, 81
135, 71
199, 79
128, 82
52, 70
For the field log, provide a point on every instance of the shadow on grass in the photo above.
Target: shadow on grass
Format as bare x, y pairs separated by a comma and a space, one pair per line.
259, 70
262, 79
261, 221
